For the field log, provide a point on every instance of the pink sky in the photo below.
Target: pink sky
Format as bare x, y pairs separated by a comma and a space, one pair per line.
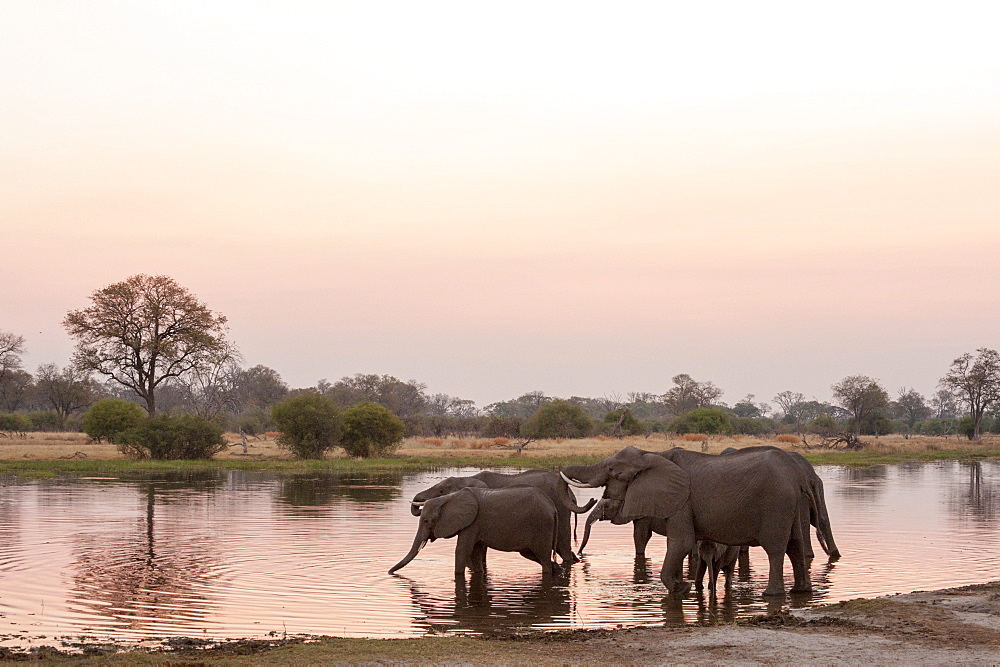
573, 198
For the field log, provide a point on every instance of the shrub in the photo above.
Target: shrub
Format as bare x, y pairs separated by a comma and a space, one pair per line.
788, 438
623, 422
694, 437
45, 420
371, 430
752, 425
310, 425
166, 437
558, 419
824, 426
702, 420
12, 421
111, 416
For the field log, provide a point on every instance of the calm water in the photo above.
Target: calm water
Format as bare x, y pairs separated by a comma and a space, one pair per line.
244, 555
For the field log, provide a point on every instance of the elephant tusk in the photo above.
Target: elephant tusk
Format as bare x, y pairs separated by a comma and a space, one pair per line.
422, 545
418, 504
573, 482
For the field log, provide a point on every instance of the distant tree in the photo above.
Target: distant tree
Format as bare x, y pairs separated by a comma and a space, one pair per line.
256, 389
310, 425
687, 394
944, 405
702, 420
402, 398
749, 409
66, 390
911, 407
558, 419
110, 416
523, 406
860, 395
143, 332
975, 381
791, 404
443, 405
16, 389
645, 405
371, 430
11, 349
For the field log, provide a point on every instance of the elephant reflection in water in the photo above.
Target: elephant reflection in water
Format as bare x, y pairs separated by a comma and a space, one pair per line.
481, 608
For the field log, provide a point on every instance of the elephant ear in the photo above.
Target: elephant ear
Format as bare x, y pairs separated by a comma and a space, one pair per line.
459, 512
658, 490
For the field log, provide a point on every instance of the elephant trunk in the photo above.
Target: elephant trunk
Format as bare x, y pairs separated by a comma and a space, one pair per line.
594, 517
419, 541
415, 507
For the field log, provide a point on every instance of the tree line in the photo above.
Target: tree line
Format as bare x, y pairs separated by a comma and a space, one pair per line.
149, 341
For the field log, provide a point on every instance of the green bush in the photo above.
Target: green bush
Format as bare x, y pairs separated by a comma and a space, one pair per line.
12, 421
824, 426
111, 416
558, 419
753, 425
45, 420
168, 438
310, 425
623, 422
502, 427
371, 430
710, 421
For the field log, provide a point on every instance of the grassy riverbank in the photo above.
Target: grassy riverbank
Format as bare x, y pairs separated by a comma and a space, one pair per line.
43, 455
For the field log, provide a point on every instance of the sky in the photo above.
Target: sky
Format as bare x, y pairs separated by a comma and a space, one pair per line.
494, 198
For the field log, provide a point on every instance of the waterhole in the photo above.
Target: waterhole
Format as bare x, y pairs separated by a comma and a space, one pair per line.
238, 554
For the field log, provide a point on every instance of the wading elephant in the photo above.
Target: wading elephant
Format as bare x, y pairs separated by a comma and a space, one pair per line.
818, 516
753, 499
642, 528
545, 481
521, 519
713, 558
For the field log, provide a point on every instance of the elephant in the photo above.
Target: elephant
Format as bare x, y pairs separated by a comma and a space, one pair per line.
818, 516
642, 528
521, 519
754, 499
713, 558
548, 482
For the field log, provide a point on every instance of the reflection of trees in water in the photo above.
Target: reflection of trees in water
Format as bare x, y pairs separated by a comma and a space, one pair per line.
140, 578
976, 498
317, 490
864, 483
477, 608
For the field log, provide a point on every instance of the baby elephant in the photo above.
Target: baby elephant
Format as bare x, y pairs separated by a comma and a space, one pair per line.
521, 519
715, 557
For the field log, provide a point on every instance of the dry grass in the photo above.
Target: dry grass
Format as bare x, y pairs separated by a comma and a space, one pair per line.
52, 446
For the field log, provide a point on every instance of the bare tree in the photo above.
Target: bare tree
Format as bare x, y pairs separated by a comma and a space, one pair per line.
861, 396
944, 404
791, 404
143, 332
975, 381
11, 349
209, 387
66, 390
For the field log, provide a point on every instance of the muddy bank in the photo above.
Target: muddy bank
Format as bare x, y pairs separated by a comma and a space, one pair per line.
955, 625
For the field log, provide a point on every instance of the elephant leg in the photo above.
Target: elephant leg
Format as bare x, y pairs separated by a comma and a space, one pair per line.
463, 551
642, 531
680, 541
728, 572
477, 562
776, 572
743, 563
804, 526
800, 568
699, 569
564, 542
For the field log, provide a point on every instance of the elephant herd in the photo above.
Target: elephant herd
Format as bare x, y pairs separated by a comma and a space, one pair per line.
708, 506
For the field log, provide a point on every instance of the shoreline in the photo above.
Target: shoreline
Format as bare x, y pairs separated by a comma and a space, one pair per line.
951, 625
